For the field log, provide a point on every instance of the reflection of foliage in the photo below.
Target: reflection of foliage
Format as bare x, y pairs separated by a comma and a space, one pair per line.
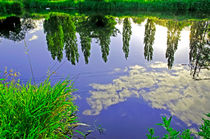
149, 38
13, 28
199, 53
70, 40
173, 36
84, 38
104, 42
126, 36
138, 20
86, 45
99, 27
54, 36
61, 33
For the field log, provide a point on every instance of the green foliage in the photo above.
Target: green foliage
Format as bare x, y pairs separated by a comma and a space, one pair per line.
152, 132
148, 5
10, 7
171, 133
186, 134
205, 128
31, 111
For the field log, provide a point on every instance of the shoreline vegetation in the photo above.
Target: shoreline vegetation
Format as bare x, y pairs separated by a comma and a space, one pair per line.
37, 111
176, 6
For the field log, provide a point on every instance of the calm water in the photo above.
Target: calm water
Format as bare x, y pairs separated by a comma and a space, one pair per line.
129, 71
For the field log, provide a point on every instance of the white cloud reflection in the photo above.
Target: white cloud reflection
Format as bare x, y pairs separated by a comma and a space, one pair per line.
173, 90
34, 37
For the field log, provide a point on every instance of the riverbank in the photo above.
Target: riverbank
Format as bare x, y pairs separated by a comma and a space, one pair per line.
134, 5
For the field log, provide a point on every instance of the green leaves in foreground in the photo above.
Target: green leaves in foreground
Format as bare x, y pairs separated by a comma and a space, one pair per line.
30, 111
171, 133
205, 128
186, 134
152, 132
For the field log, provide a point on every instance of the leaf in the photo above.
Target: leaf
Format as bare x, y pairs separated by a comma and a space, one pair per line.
160, 124
169, 121
81, 133
208, 114
151, 131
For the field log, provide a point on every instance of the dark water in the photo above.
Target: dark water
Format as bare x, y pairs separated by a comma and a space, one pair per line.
129, 71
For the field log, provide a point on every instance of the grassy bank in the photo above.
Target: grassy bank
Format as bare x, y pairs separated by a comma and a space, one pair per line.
10, 7
147, 5
31, 111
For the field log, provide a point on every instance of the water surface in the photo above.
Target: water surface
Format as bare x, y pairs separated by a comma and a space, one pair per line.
129, 71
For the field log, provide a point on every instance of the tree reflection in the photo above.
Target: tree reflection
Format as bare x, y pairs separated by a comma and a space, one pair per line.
126, 36
149, 38
54, 36
173, 36
84, 38
70, 39
199, 47
99, 27
15, 28
86, 46
61, 33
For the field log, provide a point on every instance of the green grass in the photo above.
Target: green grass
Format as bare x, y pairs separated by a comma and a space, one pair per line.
36, 111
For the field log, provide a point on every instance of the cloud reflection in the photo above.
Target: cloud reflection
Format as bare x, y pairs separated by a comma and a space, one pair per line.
173, 90
34, 37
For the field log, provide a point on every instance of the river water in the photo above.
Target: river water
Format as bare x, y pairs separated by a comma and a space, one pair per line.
129, 70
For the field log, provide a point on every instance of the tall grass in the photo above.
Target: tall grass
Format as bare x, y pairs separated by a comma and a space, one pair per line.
36, 111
